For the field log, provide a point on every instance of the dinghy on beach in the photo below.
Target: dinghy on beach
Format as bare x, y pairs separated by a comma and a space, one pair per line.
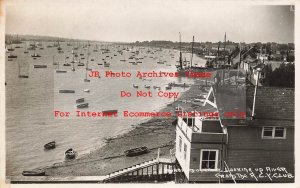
38, 172
136, 151
50, 145
70, 154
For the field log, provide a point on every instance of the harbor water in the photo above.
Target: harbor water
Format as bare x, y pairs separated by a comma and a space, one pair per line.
31, 102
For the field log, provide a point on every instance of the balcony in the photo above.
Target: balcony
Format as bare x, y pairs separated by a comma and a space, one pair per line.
204, 131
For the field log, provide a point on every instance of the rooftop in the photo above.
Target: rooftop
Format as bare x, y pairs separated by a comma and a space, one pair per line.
272, 104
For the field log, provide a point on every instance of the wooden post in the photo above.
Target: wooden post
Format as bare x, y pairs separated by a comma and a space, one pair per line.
168, 167
172, 169
152, 169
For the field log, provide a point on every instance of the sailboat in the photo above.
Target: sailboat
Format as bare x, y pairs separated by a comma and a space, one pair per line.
60, 71
95, 49
123, 59
80, 64
20, 75
54, 63
59, 48
73, 68
180, 69
86, 72
11, 48
160, 62
25, 51
35, 54
11, 55
66, 64
18, 42
41, 46
87, 64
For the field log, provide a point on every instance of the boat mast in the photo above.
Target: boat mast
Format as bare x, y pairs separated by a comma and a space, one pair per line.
224, 47
57, 64
192, 52
73, 69
87, 62
180, 54
19, 69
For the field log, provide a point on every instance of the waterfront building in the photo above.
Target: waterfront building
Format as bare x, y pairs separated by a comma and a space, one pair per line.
207, 148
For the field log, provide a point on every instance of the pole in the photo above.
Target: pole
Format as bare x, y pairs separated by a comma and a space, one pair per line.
240, 61
253, 108
158, 151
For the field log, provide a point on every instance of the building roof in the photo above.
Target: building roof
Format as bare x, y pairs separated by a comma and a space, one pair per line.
231, 104
273, 105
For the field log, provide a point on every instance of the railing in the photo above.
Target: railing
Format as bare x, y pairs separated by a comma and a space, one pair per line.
197, 136
153, 170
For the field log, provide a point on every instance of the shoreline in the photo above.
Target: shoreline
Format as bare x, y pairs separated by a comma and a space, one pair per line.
154, 133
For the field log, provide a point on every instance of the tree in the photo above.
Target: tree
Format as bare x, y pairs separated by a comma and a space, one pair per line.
284, 76
267, 71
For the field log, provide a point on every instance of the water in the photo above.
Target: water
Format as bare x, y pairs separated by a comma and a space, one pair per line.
30, 103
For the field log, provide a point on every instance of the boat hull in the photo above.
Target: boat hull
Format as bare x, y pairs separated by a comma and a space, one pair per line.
136, 151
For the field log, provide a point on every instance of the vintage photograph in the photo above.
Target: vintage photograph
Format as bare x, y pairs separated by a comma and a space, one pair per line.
139, 91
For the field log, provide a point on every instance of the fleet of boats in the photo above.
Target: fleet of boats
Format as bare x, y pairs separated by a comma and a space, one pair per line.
135, 58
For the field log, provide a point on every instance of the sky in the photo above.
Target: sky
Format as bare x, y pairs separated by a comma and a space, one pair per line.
142, 20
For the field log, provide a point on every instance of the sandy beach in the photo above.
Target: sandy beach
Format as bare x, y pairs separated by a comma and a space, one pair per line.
155, 133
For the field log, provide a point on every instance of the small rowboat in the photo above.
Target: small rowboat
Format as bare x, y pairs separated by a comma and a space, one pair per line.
38, 172
84, 105
136, 151
61, 71
50, 145
39, 66
70, 154
168, 87
66, 91
80, 100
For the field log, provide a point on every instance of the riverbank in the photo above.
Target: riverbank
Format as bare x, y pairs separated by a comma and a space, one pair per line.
155, 133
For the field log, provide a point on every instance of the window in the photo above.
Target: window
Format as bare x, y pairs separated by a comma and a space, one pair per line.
184, 151
180, 143
209, 160
274, 132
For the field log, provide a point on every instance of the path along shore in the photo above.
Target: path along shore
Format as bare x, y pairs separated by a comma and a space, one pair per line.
155, 133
